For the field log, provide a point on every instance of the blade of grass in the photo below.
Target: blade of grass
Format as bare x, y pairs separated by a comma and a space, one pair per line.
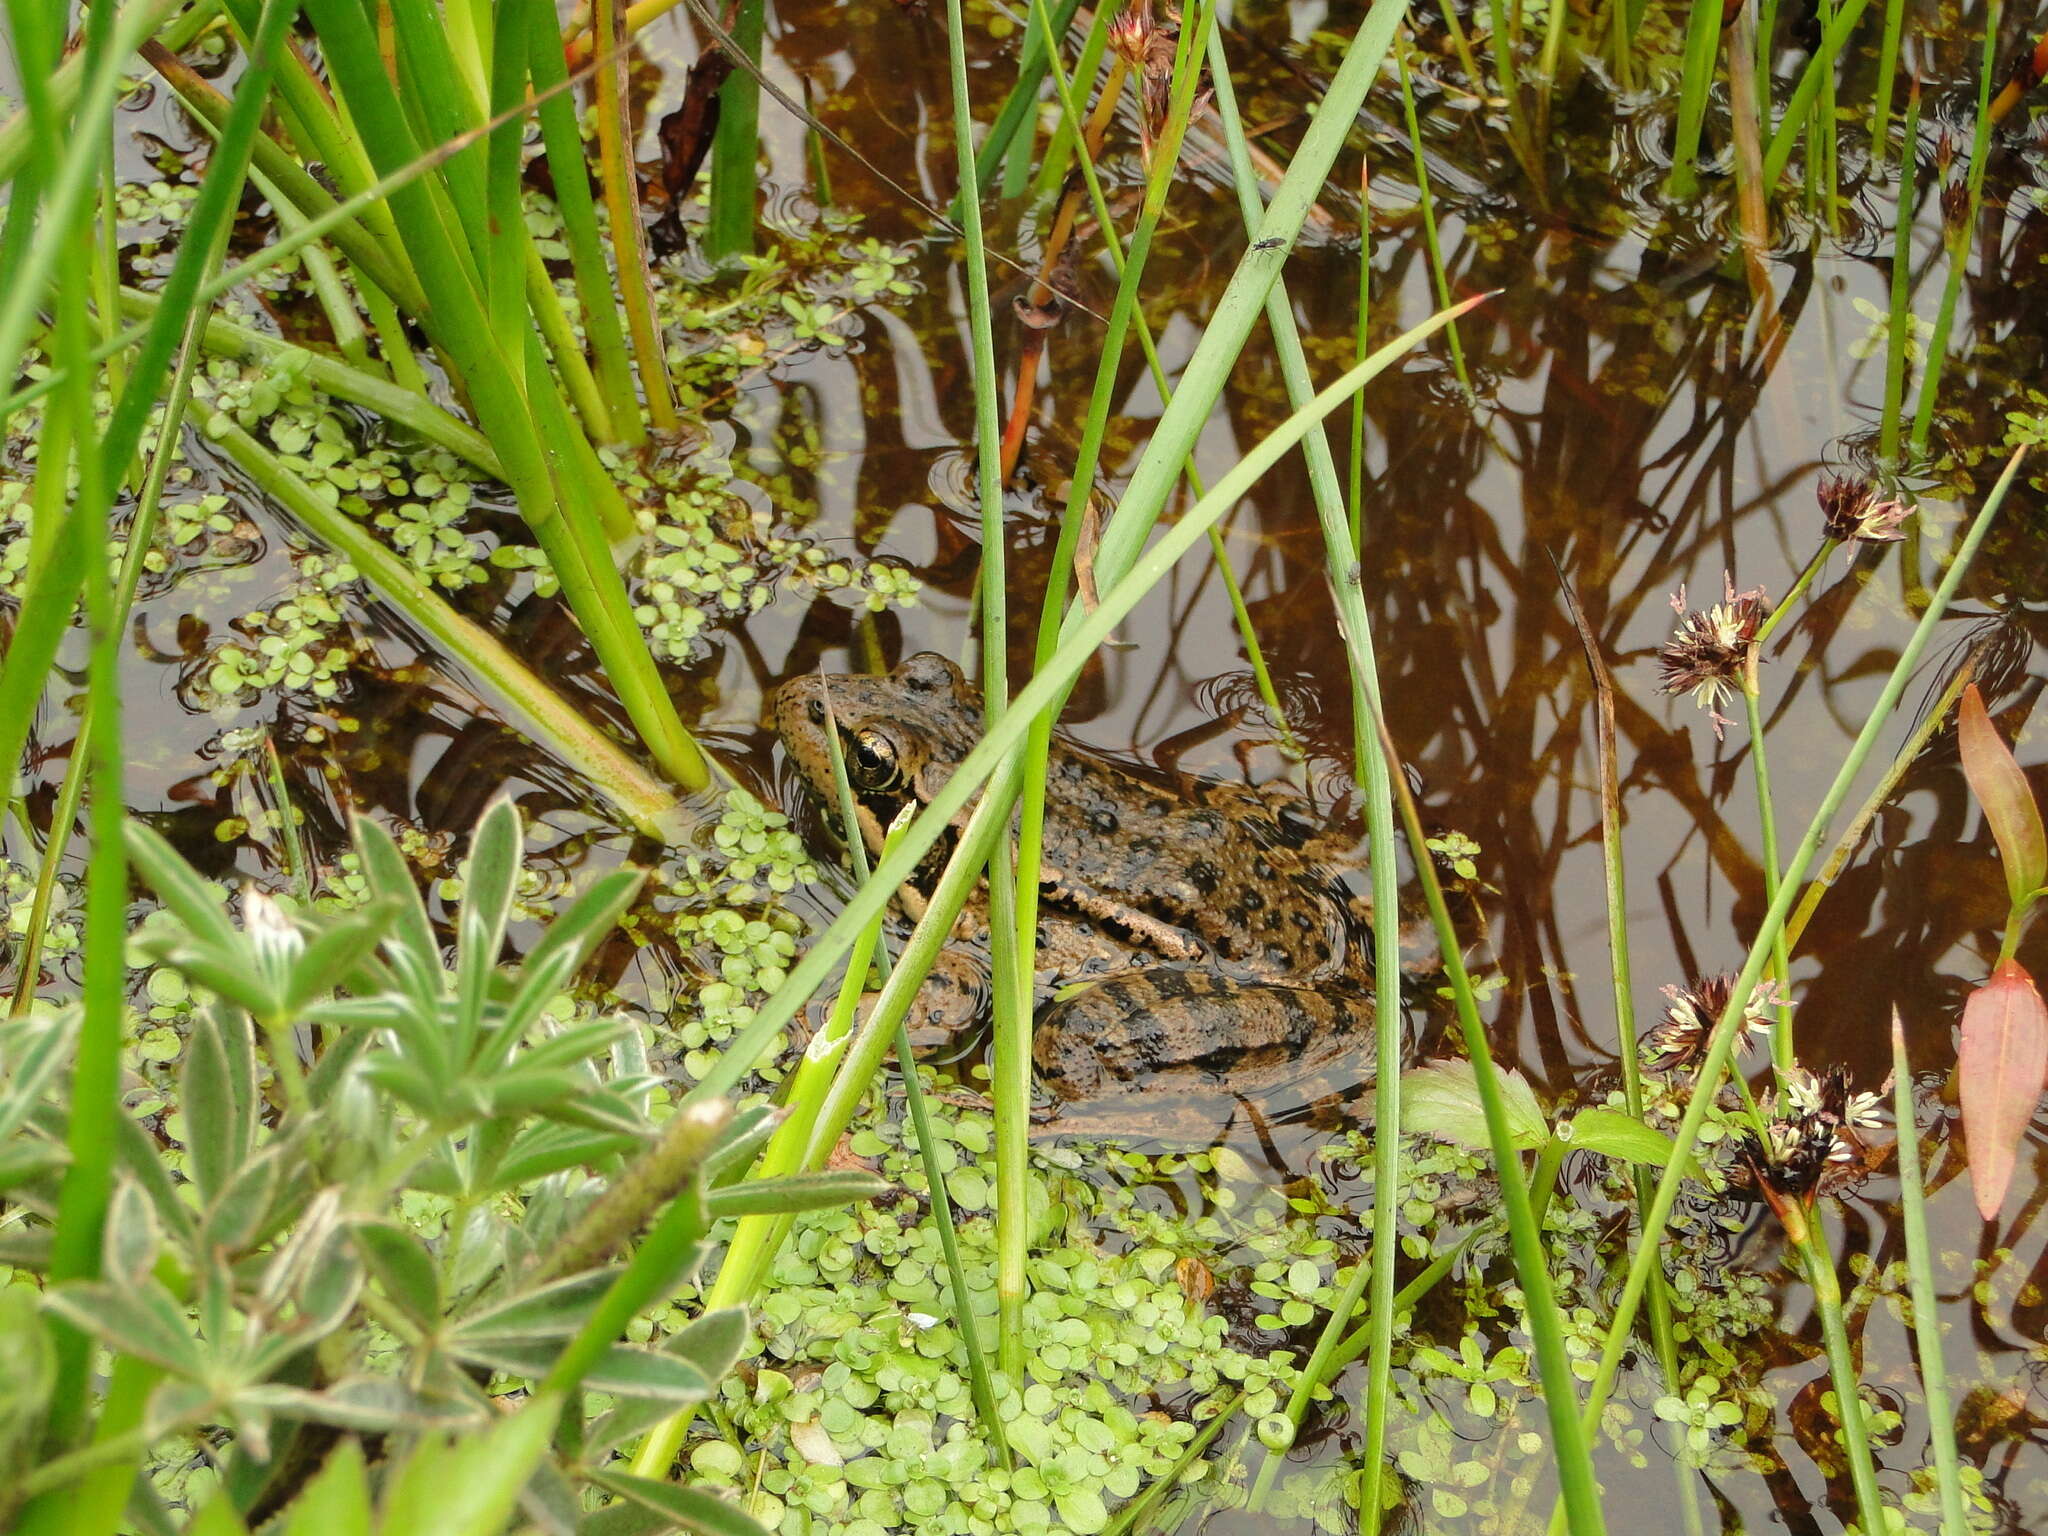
1799, 107
1570, 1439
1959, 240
736, 146
1900, 321
1010, 1081
1927, 1326
1614, 875
629, 238
1343, 549
1696, 83
1428, 205
532, 434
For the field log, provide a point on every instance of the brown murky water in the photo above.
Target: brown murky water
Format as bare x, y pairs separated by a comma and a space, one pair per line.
1632, 422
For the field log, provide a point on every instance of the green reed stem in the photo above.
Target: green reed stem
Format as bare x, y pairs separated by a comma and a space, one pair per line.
1767, 818
1819, 1265
1958, 239
1613, 867
1342, 527
1900, 322
1887, 79
562, 141
222, 337
1927, 1327
1799, 107
1721, 1042
1428, 204
979, 1380
1696, 83
736, 147
95, 1076
1162, 173
1570, 1439
1008, 925
622, 208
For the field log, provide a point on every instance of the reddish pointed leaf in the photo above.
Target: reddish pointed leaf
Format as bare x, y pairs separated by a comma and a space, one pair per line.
1999, 1071
2008, 800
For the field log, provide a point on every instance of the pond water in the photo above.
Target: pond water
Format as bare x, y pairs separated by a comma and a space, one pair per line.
1642, 420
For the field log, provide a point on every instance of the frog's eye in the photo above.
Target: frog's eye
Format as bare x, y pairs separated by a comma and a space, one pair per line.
872, 762
817, 711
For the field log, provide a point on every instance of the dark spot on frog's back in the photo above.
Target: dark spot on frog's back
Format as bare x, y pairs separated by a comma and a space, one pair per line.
1204, 876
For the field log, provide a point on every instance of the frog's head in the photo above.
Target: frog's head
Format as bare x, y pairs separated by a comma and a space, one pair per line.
901, 735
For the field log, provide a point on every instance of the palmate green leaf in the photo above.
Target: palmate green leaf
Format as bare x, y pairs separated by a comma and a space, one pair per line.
141, 1158
133, 1237
794, 1192
551, 1146
712, 1343
1443, 1100
132, 1319
551, 1312
402, 1268
569, 941
24, 1162
493, 871
33, 1051
625, 1519
337, 1501
690, 1509
218, 1086
371, 1404
621, 1370
28, 1373
235, 1219
335, 951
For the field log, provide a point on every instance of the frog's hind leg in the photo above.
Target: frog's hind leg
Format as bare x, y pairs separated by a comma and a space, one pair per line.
1168, 1030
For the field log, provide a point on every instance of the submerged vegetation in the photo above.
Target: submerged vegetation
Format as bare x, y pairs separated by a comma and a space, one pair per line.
449, 1082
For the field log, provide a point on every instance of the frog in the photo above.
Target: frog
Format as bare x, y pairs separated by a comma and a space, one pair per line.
1195, 936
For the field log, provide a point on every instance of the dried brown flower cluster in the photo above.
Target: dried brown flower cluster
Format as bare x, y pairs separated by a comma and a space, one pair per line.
1679, 1039
1851, 509
1711, 649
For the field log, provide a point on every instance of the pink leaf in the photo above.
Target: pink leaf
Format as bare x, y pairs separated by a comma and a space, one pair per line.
2008, 800
1999, 1072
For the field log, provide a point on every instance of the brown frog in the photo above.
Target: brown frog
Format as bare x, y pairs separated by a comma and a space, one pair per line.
1214, 949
